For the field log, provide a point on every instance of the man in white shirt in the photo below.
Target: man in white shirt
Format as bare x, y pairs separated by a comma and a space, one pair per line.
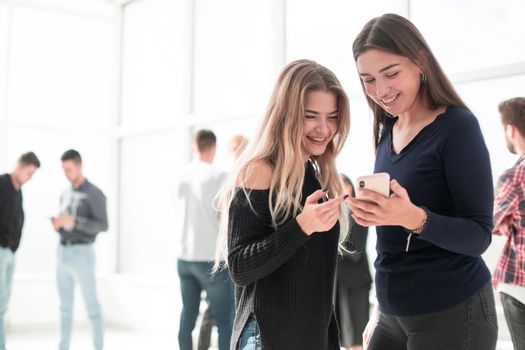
200, 181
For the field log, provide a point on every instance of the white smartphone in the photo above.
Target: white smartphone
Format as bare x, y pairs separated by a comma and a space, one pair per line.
379, 183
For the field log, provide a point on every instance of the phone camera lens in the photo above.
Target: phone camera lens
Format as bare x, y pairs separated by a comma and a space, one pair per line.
361, 184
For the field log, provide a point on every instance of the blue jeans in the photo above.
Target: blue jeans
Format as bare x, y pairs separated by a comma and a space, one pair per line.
251, 336
76, 263
194, 278
7, 267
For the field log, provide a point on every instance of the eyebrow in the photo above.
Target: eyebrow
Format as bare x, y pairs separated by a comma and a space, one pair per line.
382, 70
317, 113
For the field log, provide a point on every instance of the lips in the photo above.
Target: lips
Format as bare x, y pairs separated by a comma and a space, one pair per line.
389, 100
317, 140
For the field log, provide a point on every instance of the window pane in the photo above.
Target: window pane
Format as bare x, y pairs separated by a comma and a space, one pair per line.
60, 69
238, 46
357, 156
156, 61
477, 34
4, 22
148, 220
326, 33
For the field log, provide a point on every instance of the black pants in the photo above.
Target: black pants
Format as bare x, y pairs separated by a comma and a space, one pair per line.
515, 316
352, 312
471, 325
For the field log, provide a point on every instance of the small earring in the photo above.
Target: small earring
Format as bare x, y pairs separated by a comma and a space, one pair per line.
422, 77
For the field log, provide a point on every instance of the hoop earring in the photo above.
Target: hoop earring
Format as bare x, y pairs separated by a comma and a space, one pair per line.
422, 78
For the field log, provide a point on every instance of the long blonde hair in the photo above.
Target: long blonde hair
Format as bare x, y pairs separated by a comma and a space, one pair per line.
279, 143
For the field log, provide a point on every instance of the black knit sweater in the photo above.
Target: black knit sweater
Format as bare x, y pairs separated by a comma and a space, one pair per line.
283, 276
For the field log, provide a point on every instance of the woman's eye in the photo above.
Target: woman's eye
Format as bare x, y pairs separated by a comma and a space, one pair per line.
392, 75
368, 81
309, 116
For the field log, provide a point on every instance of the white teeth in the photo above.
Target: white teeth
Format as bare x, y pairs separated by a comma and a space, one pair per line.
388, 100
316, 139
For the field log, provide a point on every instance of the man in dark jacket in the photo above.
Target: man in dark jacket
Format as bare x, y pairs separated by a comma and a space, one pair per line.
11, 222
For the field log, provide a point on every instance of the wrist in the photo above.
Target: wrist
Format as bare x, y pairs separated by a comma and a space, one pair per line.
303, 224
418, 221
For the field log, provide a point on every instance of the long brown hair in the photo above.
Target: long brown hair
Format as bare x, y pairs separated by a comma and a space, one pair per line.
279, 143
396, 34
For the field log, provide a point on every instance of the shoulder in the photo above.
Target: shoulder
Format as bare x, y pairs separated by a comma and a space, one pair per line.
93, 190
459, 130
259, 175
4, 179
459, 119
514, 175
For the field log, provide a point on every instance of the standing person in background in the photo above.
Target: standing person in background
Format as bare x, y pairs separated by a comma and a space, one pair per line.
432, 285
82, 217
200, 181
236, 146
509, 221
352, 303
281, 244
11, 223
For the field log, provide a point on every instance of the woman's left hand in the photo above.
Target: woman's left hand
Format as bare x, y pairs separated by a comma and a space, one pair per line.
372, 209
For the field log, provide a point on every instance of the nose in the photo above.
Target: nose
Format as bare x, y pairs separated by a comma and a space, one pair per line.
381, 88
322, 125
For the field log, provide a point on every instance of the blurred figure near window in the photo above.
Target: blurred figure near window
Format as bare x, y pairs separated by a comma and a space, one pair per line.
353, 283
199, 183
83, 216
236, 146
11, 223
509, 221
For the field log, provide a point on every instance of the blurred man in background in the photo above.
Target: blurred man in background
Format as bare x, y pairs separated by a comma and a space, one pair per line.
82, 217
509, 221
200, 181
11, 223
236, 146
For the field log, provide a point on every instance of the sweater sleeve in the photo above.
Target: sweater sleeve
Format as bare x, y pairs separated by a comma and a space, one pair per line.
255, 249
467, 170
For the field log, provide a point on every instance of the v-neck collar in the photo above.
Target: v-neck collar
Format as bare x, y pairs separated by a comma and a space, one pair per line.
390, 139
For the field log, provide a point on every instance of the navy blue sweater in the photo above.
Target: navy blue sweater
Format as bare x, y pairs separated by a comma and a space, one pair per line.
445, 168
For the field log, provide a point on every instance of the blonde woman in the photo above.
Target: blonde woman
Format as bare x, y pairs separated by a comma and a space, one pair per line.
279, 229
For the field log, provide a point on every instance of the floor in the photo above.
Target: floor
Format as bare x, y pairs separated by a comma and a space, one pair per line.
116, 339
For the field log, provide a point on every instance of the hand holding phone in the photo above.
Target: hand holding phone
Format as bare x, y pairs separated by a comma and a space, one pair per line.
379, 183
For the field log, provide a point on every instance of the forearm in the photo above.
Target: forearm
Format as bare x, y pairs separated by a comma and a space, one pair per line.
459, 235
251, 261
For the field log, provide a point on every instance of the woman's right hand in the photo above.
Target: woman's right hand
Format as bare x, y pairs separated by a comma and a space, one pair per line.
317, 217
371, 326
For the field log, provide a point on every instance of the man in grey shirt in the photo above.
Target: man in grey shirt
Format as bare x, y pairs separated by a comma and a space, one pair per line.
82, 217
200, 181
